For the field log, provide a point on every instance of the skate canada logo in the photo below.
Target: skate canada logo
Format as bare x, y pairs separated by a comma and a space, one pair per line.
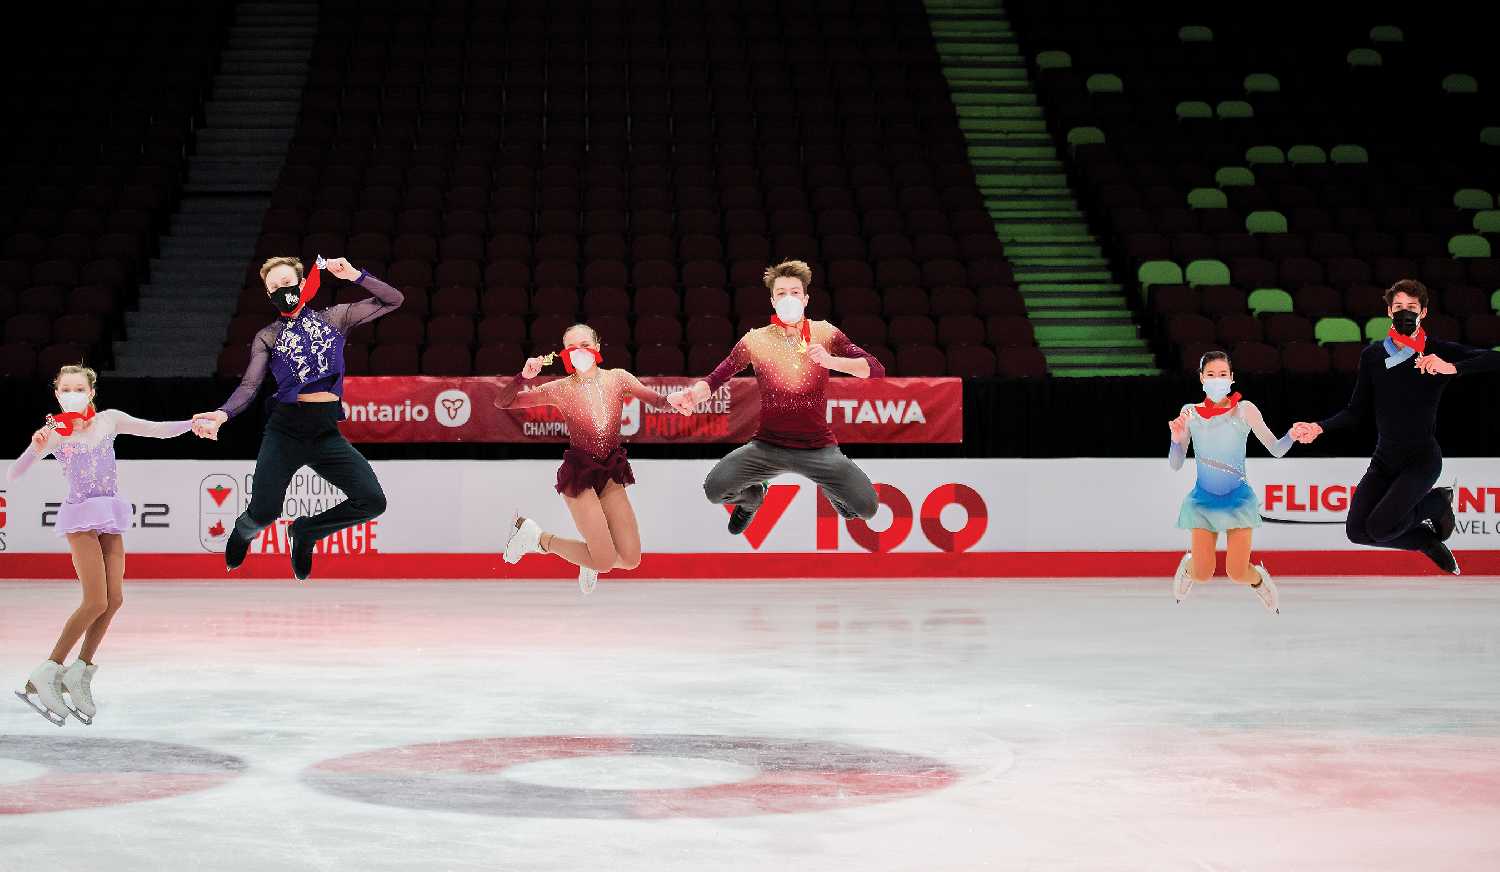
452, 408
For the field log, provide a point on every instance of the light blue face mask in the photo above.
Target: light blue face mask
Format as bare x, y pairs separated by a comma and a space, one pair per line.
1217, 388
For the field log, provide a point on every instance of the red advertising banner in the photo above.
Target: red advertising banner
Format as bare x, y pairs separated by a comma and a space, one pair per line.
439, 409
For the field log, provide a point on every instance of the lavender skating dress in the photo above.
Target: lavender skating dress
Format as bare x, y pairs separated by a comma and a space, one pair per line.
88, 462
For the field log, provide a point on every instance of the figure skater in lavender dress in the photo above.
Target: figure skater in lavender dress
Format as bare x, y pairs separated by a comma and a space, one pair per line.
594, 471
1222, 501
92, 517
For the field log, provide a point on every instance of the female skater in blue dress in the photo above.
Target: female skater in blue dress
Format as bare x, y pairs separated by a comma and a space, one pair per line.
1222, 501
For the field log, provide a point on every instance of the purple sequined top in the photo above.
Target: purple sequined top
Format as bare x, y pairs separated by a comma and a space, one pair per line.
88, 456
305, 354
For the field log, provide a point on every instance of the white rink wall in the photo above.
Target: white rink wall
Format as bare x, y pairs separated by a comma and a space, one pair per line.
968, 506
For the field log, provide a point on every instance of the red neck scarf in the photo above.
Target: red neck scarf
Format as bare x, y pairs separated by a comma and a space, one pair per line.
1416, 342
1207, 409
804, 323
309, 289
65, 422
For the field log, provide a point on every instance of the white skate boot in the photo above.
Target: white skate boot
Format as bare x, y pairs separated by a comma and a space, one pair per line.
587, 578
45, 684
1182, 582
525, 538
1266, 590
76, 683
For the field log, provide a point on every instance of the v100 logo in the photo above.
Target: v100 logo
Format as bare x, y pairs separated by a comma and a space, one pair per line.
903, 519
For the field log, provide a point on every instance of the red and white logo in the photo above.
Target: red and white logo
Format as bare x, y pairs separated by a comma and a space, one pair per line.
218, 507
452, 408
780, 496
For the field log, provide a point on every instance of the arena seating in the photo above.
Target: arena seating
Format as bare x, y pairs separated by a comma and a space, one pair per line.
103, 108
1262, 183
514, 169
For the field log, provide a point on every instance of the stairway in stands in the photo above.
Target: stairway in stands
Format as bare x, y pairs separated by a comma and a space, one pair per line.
195, 282
1083, 323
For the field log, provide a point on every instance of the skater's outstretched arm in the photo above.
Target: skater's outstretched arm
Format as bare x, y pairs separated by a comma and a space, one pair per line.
1359, 402
728, 368
255, 375
1278, 447
155, 429
383, 298
42, 443
1181, 436
635, 388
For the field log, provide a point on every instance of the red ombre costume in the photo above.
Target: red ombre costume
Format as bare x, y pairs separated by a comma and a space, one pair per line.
592, 408
794, 435
793, 389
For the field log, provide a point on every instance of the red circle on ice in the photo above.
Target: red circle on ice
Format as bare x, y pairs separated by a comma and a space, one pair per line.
791, 776
92, 773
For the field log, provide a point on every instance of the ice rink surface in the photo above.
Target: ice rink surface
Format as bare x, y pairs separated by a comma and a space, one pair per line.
924, 725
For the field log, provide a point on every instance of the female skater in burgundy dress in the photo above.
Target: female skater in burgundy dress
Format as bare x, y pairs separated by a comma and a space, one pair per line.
594, 471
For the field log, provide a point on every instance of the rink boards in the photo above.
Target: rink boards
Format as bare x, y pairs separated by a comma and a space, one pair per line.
938, 518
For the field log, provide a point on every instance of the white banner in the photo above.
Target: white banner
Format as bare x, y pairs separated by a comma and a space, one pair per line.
1075, 505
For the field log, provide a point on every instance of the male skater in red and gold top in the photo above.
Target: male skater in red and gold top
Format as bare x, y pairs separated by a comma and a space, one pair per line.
791, 357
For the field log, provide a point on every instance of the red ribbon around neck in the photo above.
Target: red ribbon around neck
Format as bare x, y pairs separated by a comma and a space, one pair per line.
64, 422
805, 325
1416, 342
1207, 409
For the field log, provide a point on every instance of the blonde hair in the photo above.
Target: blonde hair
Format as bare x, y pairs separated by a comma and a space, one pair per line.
79, 369
272, 263
789, 269
597, 340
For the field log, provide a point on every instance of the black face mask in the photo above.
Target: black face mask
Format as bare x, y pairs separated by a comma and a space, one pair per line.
287, 299
1405, 322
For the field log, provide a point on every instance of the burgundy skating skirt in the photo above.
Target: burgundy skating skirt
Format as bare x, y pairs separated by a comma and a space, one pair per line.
581, 471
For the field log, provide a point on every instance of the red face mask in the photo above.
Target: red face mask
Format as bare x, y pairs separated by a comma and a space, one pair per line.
567, 356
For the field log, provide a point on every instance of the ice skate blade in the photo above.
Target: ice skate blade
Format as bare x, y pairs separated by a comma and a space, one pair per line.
81, 717
57, 720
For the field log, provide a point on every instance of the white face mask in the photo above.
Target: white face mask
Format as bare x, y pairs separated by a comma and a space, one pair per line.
583, 359
73, 401
789, 309
1216, 388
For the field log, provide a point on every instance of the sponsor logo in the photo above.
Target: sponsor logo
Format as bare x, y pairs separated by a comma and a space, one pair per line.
387, 413
875, 412
1290, 503
630, 417
359, 539
930, 519
218, 506
452, 408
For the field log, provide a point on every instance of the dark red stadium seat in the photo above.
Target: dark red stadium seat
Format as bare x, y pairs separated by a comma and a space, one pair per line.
1021, 362
446, 359
971, 361
920, 360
